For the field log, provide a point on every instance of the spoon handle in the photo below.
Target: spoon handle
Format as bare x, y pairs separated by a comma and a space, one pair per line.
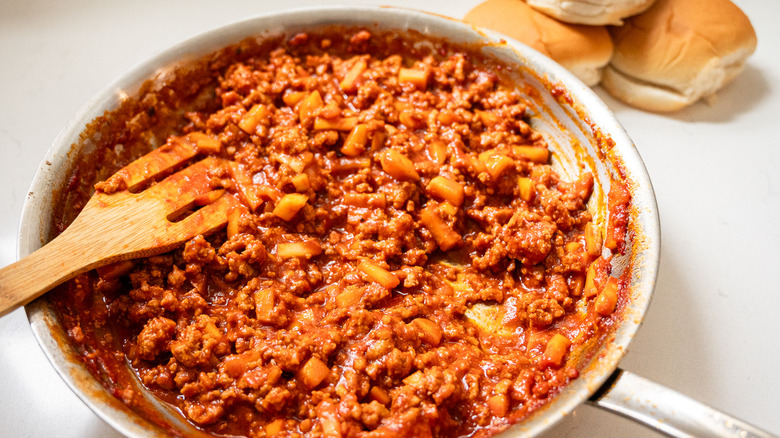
60, 260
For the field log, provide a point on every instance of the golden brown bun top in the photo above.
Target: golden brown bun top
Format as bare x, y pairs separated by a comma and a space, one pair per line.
591, 12
571, 45
675, 40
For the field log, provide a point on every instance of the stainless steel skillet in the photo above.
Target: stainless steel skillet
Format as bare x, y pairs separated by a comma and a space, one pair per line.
567, 111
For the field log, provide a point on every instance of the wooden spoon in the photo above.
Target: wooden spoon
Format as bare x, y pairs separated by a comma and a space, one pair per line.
124, 225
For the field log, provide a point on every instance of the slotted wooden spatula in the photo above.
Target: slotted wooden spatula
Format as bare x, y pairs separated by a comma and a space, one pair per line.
124, 225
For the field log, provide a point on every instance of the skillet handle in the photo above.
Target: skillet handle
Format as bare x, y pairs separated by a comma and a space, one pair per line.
667, 411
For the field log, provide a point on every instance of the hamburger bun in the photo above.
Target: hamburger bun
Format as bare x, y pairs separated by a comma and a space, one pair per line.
583, 50
678, 52
591, 12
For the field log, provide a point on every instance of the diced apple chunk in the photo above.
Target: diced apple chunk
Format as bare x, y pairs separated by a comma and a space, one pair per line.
237, 364
366, 200
448, 209
398, 166
378, 274
254, 117
380, 395
292, 98
264, 305
410, 118
378, 140
607, 300
351, 164
498, 405
301, 182
349, 297
442, 233
246, 188
414, 378
446, 189
294, 163
234, 217
488, 118
418, 77
533, 153
338, 124
497, 164
310, 105
437, 150
592, 240
355, 144
485, 155
313, 372
331, 427
289, 205
204, 143
348, 84
572, 247
555, 351
597, 275
274, 428
618, 200
329, 420
590, 289
431, 331
447, 117
527, 189
306, 248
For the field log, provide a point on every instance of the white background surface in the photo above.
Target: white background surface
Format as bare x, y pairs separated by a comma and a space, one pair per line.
713, 329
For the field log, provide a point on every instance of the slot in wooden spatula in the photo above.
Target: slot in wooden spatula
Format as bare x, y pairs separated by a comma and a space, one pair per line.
124, 225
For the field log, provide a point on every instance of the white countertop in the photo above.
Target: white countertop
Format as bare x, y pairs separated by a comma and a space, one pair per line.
712, 332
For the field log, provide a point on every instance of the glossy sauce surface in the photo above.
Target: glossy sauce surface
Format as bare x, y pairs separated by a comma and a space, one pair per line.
405, 260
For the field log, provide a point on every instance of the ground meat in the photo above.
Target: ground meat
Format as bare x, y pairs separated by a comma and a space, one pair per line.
543, 312
402, 255
154, 337
196, 344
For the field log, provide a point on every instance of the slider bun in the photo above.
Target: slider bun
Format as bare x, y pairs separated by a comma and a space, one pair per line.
592, 12
583, 50
678, 52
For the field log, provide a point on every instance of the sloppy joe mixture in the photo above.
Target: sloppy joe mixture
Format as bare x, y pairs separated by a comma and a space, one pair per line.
404, 260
